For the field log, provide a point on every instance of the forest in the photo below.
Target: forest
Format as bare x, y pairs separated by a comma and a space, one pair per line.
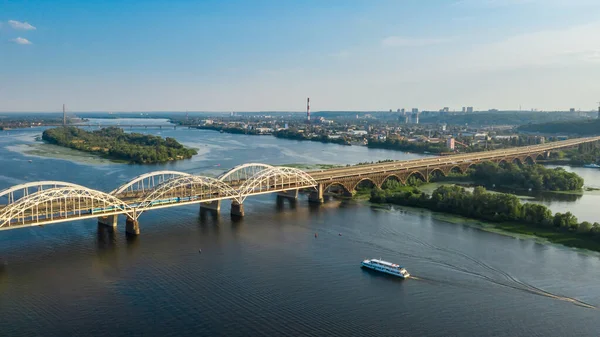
525, 177
114, 143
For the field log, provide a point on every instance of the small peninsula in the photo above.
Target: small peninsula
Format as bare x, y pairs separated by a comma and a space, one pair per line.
114, 143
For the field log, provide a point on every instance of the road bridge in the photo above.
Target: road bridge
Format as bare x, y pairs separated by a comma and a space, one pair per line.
49, 202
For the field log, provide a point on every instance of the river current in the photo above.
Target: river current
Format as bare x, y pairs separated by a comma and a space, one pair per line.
267, 274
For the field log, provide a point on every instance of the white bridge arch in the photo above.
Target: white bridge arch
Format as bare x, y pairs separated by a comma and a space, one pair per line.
146, 181
17, 192
188, 189
243, 172
61, 204
274, 179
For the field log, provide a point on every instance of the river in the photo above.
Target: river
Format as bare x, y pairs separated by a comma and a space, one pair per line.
267, 274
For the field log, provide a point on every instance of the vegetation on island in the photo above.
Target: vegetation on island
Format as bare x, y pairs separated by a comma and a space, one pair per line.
405, 145
588, 127
503, 209
114, 143
525, 177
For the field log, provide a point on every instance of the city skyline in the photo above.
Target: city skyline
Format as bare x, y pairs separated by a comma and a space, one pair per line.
269, 56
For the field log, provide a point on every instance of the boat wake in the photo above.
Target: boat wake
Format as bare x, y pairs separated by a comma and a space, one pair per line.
493, 275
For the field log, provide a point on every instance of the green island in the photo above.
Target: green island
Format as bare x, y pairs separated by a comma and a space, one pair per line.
114, 143
512, 176
499, 211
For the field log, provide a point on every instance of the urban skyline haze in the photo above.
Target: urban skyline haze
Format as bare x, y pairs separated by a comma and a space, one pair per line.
270, 55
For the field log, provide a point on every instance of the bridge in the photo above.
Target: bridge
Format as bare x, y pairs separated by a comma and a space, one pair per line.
48, 202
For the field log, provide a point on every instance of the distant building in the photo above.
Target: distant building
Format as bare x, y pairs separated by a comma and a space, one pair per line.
493, 110
446, 109
417, 118
403, 111
450, 143
415, 110
464, 109
572, 110
469, 109
443, 127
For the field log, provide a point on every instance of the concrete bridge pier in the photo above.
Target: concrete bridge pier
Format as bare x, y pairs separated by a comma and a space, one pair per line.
132, 226
237, 209
211, 205
292, 195
109, 221
316, 197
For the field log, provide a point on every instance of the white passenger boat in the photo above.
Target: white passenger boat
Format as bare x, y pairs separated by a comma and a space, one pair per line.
385, 267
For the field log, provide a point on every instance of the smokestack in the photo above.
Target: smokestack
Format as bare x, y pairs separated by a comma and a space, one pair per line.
308, 109
64, 116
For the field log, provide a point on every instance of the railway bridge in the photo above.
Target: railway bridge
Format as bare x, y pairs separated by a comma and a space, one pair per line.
48, 202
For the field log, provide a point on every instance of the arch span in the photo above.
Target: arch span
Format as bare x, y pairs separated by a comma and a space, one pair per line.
276, 178
61, 204
243, 172
416, 174
337, 183
364, 180
391, 177
437, 172
147, 181
189, 188
10, 192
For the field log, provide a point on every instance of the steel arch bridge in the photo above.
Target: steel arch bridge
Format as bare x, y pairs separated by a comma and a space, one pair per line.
47, 202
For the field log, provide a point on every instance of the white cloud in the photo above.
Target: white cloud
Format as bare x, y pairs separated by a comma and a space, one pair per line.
21, 40
20, 25
399, 41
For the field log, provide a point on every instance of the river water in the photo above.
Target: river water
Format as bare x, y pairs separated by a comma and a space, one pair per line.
267, 274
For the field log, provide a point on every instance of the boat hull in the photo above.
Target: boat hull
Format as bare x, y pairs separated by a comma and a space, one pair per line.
383, 270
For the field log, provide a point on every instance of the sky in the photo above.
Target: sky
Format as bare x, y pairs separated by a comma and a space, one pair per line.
269, 55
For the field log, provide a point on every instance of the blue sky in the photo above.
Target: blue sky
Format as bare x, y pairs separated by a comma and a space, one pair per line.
270, 55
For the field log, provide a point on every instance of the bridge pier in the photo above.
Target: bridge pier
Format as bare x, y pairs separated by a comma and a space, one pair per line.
316, 197
132, 226
211, 205
109, 221
237, 209
292, 195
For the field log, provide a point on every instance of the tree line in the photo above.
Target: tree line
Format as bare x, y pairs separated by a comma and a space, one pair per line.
534, 177
114, 143
480, 204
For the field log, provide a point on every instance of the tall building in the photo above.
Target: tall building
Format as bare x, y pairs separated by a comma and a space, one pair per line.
450, 143
415, 110
417, 118
464, 109
64, 116
308, 109
469, 109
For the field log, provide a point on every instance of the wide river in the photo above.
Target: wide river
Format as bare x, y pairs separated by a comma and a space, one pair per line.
267, 274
